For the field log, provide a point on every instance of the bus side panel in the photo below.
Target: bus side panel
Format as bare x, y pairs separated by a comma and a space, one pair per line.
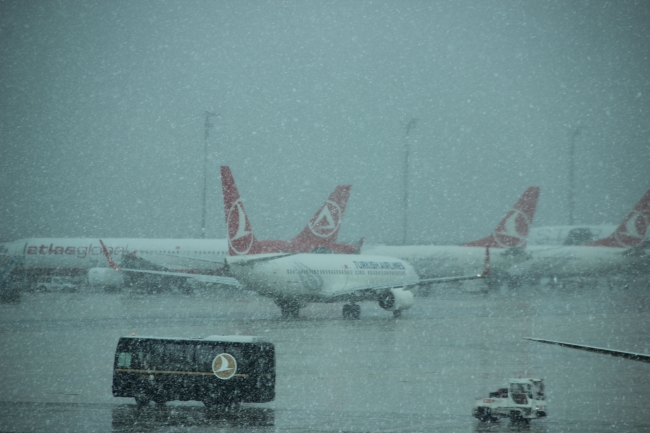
143, 367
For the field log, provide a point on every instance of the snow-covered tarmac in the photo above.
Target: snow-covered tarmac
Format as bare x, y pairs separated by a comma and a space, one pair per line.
421, 372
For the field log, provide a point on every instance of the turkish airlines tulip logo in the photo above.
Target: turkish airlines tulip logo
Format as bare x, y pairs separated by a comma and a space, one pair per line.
224, 366
513, 231
240, 235
634, 230
327, 221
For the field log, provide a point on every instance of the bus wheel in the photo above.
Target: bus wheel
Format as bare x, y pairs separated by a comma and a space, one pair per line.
142, 400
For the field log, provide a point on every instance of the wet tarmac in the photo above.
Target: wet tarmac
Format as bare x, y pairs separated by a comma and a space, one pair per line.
419, 373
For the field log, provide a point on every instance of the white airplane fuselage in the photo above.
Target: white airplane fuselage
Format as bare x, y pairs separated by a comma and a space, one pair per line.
321, 277
574, 261
75, 256
433, 261
557, 235
436, 261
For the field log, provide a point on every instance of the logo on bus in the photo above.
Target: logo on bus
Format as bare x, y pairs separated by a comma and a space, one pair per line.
224, 366
327, 221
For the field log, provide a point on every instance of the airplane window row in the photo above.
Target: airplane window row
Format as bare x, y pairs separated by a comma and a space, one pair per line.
343, 272
190, 252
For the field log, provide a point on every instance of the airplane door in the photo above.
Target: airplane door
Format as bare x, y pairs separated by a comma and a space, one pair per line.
346, 279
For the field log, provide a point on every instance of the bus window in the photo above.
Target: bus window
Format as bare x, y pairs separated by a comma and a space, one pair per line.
153, 358
172, 357
188, 356
179, 357
124, 360
234, 351
265, 359
205, 354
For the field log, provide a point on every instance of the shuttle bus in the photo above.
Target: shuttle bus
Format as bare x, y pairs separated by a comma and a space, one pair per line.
220, 371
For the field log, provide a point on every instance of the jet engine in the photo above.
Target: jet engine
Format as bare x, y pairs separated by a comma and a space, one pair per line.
396, 299
105, 277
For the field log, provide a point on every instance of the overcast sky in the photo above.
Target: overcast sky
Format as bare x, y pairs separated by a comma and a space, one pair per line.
102, 114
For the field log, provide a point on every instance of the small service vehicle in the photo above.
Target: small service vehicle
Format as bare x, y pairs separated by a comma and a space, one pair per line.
55, 284
220, 370
520, 400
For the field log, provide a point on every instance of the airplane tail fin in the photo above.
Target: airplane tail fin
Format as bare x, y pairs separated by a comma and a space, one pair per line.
323, 228
633, 229
512, 231
240, 233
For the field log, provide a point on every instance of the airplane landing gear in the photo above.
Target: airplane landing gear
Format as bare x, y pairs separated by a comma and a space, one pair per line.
351, 311
289, 310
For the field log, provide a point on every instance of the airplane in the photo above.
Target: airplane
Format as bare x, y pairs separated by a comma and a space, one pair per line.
624, 251
293, 280
324, 225
508, 238
642, 357
84, 256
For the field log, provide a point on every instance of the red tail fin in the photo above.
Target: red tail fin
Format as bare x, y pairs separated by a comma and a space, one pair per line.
240, 233
323, 228
632, 230
512, 231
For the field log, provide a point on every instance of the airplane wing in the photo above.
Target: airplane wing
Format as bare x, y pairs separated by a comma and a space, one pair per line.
200, 277
372, 289
642, 357
178, 256
258, 258
229, 281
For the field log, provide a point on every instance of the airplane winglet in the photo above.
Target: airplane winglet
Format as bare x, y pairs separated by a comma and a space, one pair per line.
110, 261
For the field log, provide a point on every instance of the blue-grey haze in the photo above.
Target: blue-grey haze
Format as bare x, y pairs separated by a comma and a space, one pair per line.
102, 112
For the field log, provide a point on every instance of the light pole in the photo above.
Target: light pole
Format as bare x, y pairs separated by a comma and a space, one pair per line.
572, 154
409, 127
207, 125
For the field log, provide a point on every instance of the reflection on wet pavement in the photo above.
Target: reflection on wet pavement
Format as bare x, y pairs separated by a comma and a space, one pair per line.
419, 373
126, 418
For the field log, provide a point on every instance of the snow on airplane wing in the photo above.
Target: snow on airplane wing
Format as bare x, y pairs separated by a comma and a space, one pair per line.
374, 288
200, 277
